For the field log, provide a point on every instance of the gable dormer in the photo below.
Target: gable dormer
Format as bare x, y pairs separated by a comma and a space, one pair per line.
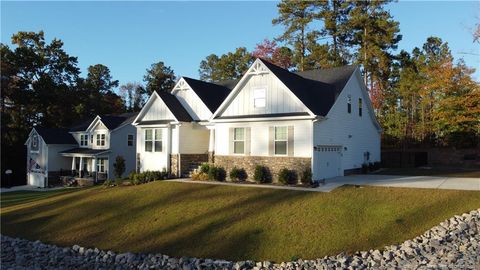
191, 101
261, 93
162, 108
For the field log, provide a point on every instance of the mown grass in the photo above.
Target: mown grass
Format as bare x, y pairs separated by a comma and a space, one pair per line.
237, 223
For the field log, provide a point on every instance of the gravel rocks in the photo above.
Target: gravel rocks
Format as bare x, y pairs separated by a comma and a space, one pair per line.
453, 244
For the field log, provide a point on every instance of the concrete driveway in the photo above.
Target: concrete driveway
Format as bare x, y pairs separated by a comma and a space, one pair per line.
435, 182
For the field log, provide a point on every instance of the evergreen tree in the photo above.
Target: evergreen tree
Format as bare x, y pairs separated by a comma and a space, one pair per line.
159, 77
229, 66
373, 36
296, 17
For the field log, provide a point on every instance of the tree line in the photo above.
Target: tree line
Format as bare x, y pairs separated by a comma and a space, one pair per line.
421, 98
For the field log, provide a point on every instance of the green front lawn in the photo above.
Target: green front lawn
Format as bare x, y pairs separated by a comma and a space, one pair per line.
236, 223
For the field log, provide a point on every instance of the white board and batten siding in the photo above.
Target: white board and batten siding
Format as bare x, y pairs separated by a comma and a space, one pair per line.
157, 110
192, 102
278, 99
352, 134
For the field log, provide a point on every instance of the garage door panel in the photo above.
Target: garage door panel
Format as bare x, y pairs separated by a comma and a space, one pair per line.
327, 161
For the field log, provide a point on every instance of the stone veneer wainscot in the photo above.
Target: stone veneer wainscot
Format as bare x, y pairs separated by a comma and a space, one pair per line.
274, 164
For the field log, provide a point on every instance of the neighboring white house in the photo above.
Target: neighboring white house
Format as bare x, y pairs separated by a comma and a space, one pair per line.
320, 120
87, 150
173, 131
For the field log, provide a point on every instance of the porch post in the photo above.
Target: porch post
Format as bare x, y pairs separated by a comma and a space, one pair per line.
81, 168
73, 165
94, 169
211, 146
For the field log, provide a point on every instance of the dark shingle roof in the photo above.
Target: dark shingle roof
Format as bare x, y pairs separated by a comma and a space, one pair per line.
115, 121
317, 89
175, 107
84, 151
212, 94
111, 121
55, 135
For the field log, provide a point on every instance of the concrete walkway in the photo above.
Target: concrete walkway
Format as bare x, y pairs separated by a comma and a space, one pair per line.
433, 182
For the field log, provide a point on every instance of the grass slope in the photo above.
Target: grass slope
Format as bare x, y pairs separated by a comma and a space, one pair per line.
237, 223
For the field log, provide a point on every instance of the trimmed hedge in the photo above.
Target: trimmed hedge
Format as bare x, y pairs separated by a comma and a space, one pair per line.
147, 176
306, 176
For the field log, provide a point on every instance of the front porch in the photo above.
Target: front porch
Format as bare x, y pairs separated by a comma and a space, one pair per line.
89, 164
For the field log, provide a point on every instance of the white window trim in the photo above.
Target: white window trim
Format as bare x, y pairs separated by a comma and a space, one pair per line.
99, 139
244, 141
133, 139
349, 104
38, 144
84, 139
154, 133
255, 98
275, 140
360, 107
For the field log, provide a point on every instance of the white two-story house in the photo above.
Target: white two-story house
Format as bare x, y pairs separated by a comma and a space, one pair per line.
87, 150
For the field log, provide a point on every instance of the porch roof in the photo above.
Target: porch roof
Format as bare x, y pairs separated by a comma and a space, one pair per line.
84, 152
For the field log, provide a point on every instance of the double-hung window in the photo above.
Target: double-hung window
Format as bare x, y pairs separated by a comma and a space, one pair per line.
259, 97
101, 165
158, 140
100, 139
83, 140
281, 140
91, 139
153, 140
129, 140
239, 140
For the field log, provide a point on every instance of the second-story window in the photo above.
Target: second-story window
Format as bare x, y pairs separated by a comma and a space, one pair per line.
91, 139
100, 139
360, 107
259, 100
83, 140
129, 140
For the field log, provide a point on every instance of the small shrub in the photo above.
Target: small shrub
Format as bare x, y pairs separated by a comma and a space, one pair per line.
262, 174
238, 175
204, 167
364, 168
306, 176
119, 182
119, 166
108, 183
217, 173
287, 177
377, 165
200, 176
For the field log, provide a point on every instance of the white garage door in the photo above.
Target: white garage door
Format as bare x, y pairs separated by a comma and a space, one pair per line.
327, 161
36, 179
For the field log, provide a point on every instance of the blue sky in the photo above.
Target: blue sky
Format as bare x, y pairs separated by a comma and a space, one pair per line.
129, 36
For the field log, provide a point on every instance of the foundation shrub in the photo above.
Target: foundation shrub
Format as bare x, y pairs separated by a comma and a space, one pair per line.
306, 176
238, 175
217, 173
262, 174
287, 177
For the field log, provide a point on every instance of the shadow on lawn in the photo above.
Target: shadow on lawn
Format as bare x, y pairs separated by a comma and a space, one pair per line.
109, 222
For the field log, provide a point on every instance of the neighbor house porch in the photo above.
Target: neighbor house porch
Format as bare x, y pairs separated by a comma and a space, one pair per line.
89, 164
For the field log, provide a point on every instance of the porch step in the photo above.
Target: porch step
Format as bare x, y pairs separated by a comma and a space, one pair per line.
191, 168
